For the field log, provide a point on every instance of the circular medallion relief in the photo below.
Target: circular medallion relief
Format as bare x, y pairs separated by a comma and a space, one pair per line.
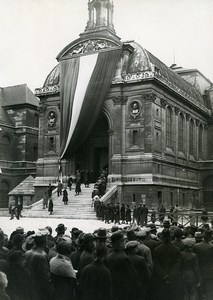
135, 109
51, 118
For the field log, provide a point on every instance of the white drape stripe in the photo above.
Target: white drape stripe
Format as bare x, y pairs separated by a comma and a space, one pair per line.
86, 67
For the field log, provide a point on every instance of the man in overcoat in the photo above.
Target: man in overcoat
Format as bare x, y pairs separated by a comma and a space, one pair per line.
204, 251
167, 262
96, 279
124, 275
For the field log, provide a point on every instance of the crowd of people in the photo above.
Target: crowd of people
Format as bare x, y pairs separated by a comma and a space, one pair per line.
133, 262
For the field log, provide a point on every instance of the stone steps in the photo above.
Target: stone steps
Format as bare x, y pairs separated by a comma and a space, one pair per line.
78, 207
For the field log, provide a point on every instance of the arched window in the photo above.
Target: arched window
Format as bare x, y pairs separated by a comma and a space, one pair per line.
169, 127
180, 132
191, 137
5, 148
200, 141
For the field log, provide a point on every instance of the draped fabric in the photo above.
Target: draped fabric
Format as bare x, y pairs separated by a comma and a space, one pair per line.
84, 85
69, 73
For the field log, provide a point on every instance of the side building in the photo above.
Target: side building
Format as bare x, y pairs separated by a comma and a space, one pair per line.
19, 122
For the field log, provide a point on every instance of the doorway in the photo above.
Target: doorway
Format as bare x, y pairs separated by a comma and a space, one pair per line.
100, 160
93, 153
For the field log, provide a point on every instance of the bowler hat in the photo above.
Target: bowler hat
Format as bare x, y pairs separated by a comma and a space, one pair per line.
114, 228
117, 237
20, 230
87, 237
101, 233
60, 228
79, 240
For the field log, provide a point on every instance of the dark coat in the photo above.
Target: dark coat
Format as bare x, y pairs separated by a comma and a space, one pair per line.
140, 266
50, 206
128, 215
65, 196
19, 283
167, 262
124, 276
123, 213
64, 287
85, 259
38, 266
96, 282
204, 253
75, 259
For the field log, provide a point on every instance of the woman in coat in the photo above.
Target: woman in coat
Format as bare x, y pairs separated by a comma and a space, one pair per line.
63, 276
65, 196
50, 207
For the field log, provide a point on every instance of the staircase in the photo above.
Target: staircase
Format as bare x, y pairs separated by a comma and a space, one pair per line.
78, 207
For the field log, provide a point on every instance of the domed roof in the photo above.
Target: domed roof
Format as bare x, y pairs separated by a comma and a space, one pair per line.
142, 60
53, 78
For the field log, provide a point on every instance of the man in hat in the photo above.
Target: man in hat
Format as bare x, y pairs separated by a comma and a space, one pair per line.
204, 251
190, 270
124, 275
143, 250
74, 236
60, 229
96, 279
100, 236
75, 256
87, 255
38, 267
198, 237
140, 266
166, 275
150, 240
178, 233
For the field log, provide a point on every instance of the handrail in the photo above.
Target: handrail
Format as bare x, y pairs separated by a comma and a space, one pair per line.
109, 194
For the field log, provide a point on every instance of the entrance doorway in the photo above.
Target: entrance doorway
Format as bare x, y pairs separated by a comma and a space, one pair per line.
93, 153
100, 160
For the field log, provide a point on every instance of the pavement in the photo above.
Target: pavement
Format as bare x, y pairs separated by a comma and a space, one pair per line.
87, 226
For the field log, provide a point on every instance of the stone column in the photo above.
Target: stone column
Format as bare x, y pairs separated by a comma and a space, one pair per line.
148, 122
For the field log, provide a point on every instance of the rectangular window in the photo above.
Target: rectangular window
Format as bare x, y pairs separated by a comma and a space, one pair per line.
171, 198
135, 137
184, 200
133, 198
51, 144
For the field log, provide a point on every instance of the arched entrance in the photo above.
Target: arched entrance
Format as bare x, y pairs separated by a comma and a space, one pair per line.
93, 153
208, 192
4, 190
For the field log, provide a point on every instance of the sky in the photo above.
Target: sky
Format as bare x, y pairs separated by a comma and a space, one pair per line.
33, 32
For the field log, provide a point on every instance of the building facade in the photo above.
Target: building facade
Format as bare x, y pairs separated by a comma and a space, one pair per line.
152, 130
19, 119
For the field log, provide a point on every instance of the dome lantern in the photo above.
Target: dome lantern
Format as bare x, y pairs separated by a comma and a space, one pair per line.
100, 15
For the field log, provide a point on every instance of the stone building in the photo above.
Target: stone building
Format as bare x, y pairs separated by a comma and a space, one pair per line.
150, 124
19, 119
